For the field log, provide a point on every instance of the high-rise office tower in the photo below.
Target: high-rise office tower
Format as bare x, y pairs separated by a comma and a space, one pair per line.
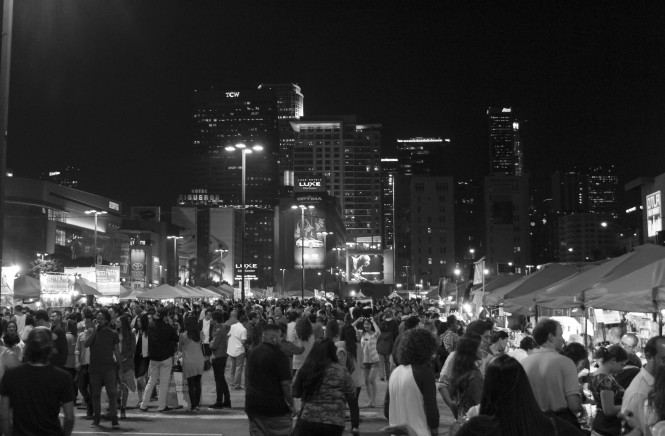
505, 145
347, 154
389, 173
603, 188
422, 156
290, 107
593, 189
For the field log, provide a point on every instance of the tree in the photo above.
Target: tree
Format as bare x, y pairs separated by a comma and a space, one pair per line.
44, 266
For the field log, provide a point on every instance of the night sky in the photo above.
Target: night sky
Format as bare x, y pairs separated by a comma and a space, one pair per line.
107, 84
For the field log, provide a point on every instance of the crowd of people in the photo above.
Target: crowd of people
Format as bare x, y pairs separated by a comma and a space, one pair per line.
310, 360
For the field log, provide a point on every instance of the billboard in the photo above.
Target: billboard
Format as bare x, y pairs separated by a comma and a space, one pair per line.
365, 267
310, 245
220, 245
310, 184
654, 214
108, 280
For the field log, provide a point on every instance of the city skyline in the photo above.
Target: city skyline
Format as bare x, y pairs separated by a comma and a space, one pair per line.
108, 86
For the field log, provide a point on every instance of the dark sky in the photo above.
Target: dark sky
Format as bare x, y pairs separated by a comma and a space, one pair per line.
107, 84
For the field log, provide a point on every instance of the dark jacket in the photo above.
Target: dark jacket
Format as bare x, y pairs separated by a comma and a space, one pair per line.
162, 340
219, 341
61, 350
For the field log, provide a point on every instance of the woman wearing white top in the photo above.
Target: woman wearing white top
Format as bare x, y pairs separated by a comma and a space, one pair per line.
370, 357
304, 338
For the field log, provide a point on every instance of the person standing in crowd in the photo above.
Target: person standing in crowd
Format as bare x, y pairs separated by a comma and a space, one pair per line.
268, 400
643, 383
29, 325
411, 394
141, 357
127, 352
205, 327
70, 366
279, 317
192, 360
104, 345
304, 337
219, 357
450, 337
19, 318
237, 337
508, 398
606, 391
370, 357
527, 345
10, 354
466, 381
59, 355
654, 410
629, 342
82, 361
324, 385
348, 361
553, 377
32, 395
408, 324
162, 342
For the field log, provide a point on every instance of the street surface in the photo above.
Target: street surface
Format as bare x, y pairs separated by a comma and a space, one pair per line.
224, 422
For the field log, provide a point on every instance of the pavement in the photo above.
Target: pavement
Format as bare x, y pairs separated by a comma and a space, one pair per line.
216, 422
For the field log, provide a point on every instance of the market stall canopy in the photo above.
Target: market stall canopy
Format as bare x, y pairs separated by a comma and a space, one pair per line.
27, 287
394, 294
86, 287
630, 273
207, 292
544, 277
133, 294
227, 290
291, 294
163, 292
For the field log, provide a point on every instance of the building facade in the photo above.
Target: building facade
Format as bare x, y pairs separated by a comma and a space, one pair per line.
505, 145
422, 156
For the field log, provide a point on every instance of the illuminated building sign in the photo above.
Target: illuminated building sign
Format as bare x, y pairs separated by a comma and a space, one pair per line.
310, 184
114, 206
654, 214
365, 267
54, 173
422, 140
250, 271
232, 94
198, 196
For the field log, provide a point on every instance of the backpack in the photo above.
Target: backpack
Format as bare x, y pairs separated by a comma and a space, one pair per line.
385, 342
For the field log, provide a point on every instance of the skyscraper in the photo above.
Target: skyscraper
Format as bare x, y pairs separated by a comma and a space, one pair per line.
505, 146
389, 173
422, 156
347, 154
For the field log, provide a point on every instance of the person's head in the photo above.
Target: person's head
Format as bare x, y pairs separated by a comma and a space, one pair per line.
575, 352
654, 351
252, 317
42, 318
528, 344
192, 328
11, 339
368, 326
499, 340
11, 327
451, 320
304, 328
311, 374
270, 320
630, 342
71, 327
549, 334
39, 346
348, 335
103, 318
18, 310
332, 330
162, 313
292, 316
124, 325
481, 328
113, 312
508, 396
56, 318
271, 334
613, 358
217, 316
411, 323
208, 314
417, 347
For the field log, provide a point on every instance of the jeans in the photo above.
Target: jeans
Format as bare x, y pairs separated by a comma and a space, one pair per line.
221, 387
237, 365
158, 371
109, 380
320, 429
270, 425
83, 385
194, 386
385, 365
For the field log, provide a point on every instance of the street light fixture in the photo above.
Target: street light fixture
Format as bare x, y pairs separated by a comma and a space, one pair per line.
283, 270
41, 255
175, 257
96, 213
244, 151
302, 244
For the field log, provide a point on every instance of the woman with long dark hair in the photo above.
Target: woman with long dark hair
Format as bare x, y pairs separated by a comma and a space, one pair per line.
127, 351
141, 357
507, 395
333, 333
192, 360
324, 386
466, 382
304, 338
606, 391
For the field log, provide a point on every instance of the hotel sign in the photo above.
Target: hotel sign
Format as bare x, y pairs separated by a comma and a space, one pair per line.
250, 271
310, 184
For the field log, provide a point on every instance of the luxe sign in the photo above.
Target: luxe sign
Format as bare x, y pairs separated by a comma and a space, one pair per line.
250, 271
310, 184
654, 214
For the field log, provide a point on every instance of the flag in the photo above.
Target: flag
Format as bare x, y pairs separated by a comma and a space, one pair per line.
478, 271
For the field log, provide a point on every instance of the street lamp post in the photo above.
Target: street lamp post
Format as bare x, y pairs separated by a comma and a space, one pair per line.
283, 270
244, 151
457, 273
302, 245
175, 257
41, 255
96, 213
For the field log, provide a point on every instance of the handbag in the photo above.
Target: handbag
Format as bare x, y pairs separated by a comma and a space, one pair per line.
297, 431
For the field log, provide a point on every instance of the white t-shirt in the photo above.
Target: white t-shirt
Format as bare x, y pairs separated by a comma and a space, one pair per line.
553, 377
237, 335
205, 330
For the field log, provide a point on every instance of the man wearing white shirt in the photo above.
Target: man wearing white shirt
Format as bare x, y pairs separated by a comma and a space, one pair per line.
236, 351
638, 391
205, 326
